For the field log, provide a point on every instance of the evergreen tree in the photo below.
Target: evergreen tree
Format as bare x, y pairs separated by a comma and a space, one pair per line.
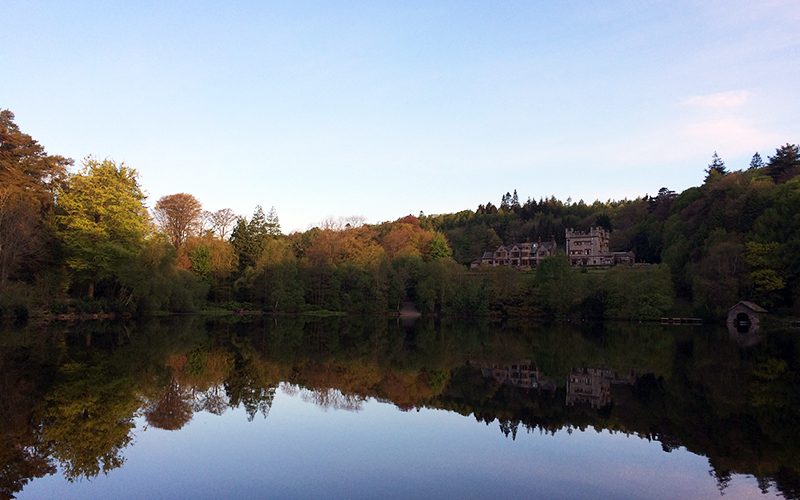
258, 223
505, 203
756, 162
273, 225
716, 167
785, 164
515, 206
242, 242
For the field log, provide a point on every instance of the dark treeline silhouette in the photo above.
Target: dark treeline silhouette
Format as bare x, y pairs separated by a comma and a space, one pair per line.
84, 242
69, 397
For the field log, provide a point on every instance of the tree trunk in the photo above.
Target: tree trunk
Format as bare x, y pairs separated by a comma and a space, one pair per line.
90, 291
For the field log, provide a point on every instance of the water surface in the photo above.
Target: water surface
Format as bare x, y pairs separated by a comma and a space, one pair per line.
364, 408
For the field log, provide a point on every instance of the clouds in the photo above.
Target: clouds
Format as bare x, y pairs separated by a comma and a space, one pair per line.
719, 100
726, 121
733, 136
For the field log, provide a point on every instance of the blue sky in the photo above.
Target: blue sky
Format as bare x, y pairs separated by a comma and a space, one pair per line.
382, 109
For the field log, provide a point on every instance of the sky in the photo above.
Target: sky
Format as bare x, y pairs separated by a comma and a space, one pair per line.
382, 109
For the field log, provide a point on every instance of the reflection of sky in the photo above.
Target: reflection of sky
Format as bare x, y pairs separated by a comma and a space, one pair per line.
301, 450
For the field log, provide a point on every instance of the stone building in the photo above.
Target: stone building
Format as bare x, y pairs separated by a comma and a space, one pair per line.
523, 374
745, 317
592, 386
590, 248
524, 255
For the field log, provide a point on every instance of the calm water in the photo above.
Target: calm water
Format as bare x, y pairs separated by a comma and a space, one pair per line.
366, 408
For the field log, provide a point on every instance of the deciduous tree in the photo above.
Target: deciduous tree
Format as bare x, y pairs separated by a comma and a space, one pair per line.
178, 215
102, 220
222, 221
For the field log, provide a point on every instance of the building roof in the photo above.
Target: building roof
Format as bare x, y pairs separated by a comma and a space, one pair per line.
548, 245
753, 307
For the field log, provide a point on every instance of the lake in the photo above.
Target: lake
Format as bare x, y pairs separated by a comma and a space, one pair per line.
367, 407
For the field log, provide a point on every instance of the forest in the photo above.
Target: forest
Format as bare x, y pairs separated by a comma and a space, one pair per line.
85, 240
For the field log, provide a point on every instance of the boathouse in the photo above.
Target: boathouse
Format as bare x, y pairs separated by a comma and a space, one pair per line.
745, 316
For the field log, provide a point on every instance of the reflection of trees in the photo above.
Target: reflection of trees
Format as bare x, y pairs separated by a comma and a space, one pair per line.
213, 400
245, 386
23, 454
738, 407
173, 410
329, 398
89, 418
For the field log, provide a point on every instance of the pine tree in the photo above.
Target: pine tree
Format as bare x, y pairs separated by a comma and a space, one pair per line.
505, 203
258, 223
242, 242
785, 164
273, 225
756, 162
716, 167
515, 202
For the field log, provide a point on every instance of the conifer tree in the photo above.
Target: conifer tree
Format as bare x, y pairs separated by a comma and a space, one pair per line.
756, 162
785, 164
716, 167
273, 225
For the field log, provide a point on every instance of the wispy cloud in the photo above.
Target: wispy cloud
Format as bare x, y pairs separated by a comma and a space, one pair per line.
727, 99
734, 136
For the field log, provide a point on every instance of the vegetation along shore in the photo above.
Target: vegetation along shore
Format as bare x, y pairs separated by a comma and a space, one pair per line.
83, 242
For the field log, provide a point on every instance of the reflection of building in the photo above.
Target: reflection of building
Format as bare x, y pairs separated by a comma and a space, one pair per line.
523, 374
591, 249
517, 255
592, 386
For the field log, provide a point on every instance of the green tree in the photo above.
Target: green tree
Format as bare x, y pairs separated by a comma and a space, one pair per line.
273, 225
756, 162
785, 164
767, 282
102, 221
560, 287
241, 242
716, 168
438, 248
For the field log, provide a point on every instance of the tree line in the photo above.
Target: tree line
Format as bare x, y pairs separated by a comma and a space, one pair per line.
734, 237
86, 242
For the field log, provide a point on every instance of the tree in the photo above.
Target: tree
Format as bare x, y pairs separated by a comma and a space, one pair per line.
273, 225
178, 215
756, 162
716, 167
25, 166
258, 223
248, 238
438, 247
505, 203
222, 221
515, 206
102, 220
785, 164
242, 242
28, 179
